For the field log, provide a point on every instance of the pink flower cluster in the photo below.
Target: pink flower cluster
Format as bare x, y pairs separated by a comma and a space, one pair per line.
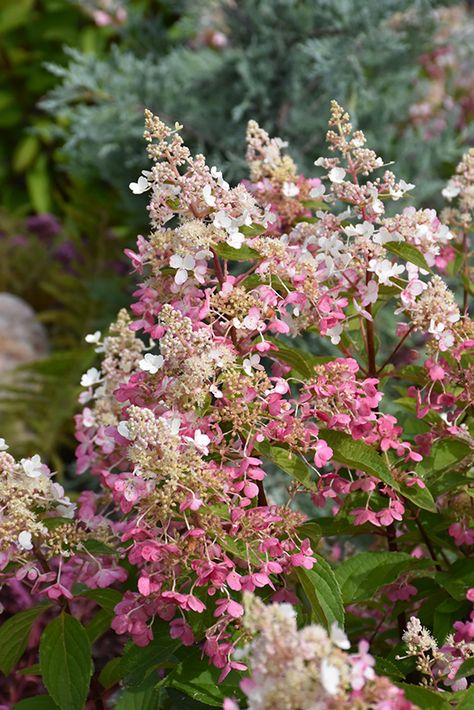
201, 388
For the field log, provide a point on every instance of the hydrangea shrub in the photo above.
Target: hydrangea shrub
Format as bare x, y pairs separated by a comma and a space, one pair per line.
178, 578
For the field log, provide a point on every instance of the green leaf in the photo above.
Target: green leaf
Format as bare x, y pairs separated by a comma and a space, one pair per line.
444, 455
245, 253
383, 666
458, 579
195, 677
252, 230
31, 670
95, 547
356, 454
139, 699
66, 663
240, 549
138, 661
312, 530
40, 702
14, 13
53, 523
25, 153
324, 593
38, 184
315, 205
466, 669
111, 673
14, 635
98, 625
340, 525
106, 598
467, 702
424, 698
301, 362
444, 613
420, 496
408, 252
289, 462
179, 701
361, 576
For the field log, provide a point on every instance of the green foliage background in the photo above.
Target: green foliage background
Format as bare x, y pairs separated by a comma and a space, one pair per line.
281, 64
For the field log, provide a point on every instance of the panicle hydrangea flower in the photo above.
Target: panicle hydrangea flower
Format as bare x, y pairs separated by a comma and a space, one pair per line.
440, 664
307, 668
180, 433
44, 536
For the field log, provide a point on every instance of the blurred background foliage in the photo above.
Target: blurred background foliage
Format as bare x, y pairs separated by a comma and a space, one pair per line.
279, 62
75, 78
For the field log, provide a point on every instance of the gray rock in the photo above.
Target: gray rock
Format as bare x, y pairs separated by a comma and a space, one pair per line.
22, 337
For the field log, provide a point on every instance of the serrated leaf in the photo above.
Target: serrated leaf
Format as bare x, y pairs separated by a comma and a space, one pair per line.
424, 698
324, 593
14, 635
383, 666
240, 549
66, 663
289, 462
409, 253
361, 576
356, 454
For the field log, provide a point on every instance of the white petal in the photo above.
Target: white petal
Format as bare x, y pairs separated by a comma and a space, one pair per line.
339, 638
176, 261
317, 191
209, 198
189, 262
181, 276
142, 185
290, 189
123, 430
24, 540
337, 175
329, 677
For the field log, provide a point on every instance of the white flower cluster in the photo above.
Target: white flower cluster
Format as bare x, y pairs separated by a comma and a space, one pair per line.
291, 668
